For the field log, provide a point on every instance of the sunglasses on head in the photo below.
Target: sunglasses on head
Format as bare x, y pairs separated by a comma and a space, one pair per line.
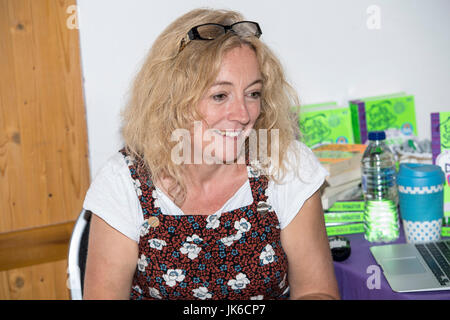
211, 31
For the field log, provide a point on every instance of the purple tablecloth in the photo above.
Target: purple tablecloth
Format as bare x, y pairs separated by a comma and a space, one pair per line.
360, 268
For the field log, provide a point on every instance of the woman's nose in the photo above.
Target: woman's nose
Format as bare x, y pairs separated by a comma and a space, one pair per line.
238, 111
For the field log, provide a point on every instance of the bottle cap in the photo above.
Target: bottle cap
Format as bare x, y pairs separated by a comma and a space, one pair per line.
377, 135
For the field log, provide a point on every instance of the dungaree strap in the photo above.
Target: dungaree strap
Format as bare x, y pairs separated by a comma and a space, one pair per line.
144, 186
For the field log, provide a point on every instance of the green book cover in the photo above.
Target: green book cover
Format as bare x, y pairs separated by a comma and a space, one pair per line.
393, 113
445, 232
347, 205
343, 217
325, 123
440, 135
345, 229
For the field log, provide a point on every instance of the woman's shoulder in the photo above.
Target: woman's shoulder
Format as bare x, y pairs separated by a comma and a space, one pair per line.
300, 149
114, 165
112, 197
301, 163
303, 177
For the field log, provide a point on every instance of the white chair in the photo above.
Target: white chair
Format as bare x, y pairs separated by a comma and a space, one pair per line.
77, 254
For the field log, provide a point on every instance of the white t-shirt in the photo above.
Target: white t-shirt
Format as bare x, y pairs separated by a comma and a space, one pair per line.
112, 194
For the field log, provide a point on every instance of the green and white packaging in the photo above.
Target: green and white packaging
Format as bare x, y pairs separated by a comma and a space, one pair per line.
325, 123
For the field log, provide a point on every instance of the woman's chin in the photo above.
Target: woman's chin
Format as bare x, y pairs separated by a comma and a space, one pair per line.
236, 157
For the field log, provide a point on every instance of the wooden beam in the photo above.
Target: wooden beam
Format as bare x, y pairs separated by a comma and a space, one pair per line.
35, 246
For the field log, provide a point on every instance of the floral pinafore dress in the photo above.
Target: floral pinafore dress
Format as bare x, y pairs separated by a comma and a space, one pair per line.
232, 255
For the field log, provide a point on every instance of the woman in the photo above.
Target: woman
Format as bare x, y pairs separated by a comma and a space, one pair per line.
228, 210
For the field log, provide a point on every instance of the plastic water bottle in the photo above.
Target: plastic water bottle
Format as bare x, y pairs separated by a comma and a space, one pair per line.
379, 190
378, 170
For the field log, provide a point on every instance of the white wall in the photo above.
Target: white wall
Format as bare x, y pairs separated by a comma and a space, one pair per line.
326, 47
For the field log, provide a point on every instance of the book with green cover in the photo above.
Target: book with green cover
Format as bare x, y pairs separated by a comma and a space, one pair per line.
343, 217
345, 211
348, 206
346, 228
440, 147
325, 123
394, 113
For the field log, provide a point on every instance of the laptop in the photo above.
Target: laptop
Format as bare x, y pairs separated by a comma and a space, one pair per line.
415, 267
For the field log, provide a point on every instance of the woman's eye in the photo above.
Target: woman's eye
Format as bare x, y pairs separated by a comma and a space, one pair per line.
219, 97
255, 94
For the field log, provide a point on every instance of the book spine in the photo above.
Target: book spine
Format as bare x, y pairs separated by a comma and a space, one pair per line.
349, 206
355, 121
362, 121
343, 217
435, 136
345, 229
445, 231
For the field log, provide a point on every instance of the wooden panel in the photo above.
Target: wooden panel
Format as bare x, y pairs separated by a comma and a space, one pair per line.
44, 281
4, 286
38, 245
43, 142
44, 171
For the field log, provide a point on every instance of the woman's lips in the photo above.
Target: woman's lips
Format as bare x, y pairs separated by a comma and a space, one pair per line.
228, 133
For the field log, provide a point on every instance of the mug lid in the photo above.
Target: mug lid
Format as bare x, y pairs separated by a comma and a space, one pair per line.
421, 171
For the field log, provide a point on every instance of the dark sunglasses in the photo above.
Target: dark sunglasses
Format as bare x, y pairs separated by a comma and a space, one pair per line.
211, 31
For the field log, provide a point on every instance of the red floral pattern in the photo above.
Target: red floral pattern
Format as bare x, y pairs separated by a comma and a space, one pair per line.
233, 255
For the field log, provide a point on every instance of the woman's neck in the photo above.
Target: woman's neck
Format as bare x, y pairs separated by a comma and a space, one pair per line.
204, 177
208, 181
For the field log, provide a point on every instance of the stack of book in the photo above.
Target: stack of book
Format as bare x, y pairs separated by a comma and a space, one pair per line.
345, 217
343, 162
394, 113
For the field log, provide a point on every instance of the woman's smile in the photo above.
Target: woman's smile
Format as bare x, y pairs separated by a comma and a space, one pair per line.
228, 133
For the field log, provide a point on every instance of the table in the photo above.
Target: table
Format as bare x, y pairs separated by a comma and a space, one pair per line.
357, 276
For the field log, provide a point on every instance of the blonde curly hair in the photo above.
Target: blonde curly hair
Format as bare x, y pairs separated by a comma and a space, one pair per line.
170, 84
